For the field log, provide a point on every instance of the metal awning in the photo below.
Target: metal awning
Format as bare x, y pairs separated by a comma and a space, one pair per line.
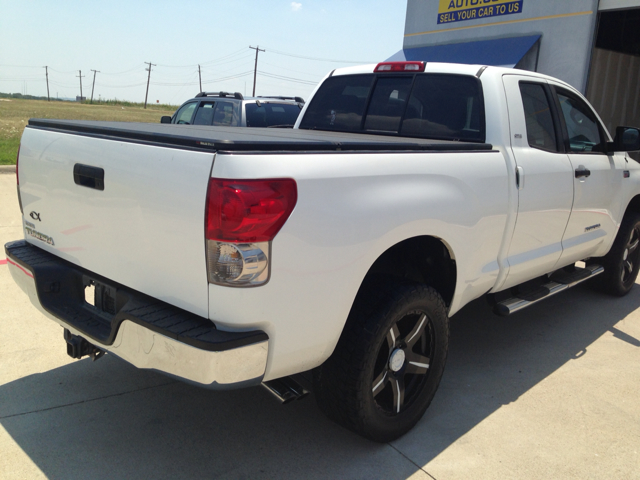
501, 52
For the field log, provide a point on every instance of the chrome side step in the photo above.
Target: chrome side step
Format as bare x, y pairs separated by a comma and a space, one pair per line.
558, 282
286, 389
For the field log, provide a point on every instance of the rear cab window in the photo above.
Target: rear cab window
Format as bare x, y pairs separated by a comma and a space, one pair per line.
425, 105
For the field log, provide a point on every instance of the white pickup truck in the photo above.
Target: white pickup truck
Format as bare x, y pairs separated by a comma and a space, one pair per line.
230, 257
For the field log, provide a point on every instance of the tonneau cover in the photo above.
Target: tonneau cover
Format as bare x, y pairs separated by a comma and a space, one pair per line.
249, 139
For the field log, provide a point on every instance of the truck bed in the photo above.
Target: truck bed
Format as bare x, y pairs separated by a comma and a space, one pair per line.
203, 138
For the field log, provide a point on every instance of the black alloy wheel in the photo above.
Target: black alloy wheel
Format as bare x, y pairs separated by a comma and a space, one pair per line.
630, 257
622, 263
388, 363
403, 362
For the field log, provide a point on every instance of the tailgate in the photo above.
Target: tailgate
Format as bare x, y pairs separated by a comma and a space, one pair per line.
144, 229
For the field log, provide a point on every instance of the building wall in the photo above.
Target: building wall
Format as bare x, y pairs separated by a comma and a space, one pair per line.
567, 28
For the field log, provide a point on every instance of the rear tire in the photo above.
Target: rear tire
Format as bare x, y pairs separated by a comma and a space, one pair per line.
389, 360
622, 263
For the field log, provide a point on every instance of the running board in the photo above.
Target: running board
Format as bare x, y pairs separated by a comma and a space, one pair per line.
558, 282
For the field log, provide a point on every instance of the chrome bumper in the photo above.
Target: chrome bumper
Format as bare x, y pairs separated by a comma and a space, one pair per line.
215, 366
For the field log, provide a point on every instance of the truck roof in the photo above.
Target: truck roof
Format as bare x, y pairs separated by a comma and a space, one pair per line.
455, 68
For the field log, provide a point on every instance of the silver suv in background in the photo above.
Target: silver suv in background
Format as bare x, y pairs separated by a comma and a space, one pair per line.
225, 109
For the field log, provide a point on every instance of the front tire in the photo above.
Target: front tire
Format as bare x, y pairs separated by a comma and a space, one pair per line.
389, 360
622, 263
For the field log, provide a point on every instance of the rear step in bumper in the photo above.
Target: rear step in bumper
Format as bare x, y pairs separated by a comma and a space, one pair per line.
144, 331
556, 284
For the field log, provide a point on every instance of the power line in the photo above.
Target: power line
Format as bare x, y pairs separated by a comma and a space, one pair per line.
231, 77
203, 63
21, 66
123, 72
288, 79
59, 71
224, 57
104, 85
358, 62
288, 69
232, 64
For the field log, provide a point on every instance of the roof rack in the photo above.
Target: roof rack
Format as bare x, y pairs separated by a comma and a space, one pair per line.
237, 95
295, 99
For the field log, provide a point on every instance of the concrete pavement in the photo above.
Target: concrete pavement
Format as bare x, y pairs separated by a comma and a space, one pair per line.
551, 392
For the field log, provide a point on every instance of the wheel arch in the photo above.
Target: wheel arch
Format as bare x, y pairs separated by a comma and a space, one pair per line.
633, 205
424, 259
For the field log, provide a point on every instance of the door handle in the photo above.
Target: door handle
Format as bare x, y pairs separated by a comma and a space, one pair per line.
88, 176
582, 171
520, 177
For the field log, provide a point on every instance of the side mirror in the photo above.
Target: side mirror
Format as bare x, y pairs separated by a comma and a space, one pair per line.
165, 119
627, 139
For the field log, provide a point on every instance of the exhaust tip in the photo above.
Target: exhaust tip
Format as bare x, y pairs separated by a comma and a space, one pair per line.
286, 389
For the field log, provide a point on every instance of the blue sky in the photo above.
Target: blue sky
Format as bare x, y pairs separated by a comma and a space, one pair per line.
117, 37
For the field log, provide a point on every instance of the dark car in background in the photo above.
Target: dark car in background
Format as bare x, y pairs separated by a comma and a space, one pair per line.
225, 109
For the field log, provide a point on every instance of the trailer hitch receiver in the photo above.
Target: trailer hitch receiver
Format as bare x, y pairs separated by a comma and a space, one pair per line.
78, 347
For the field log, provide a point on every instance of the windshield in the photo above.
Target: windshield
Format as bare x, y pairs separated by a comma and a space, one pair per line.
439, 106
271, 114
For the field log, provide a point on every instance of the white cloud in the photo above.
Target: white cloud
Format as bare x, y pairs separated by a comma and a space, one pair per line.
295, 6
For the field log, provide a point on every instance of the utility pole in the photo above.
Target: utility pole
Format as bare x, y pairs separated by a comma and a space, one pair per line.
80, 77
94, 83
148, 79
255, 69
46, 70
200, 77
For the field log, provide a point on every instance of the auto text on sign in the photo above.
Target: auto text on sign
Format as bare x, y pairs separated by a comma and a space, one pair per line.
459, 10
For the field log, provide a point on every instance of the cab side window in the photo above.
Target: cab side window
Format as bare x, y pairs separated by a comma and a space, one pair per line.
204, 115
184, 115
584, 132
541, 132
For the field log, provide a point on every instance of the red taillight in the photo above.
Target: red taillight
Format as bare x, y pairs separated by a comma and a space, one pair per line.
18, 180
17, 161
243, 211
400, 67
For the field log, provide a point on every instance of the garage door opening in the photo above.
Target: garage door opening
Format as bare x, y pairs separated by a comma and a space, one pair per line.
614, 75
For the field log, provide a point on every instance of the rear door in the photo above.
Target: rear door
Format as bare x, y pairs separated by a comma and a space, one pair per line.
545, 179
204, 114
141, 226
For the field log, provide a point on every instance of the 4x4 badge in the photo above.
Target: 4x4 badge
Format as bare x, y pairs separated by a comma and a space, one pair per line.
35, 216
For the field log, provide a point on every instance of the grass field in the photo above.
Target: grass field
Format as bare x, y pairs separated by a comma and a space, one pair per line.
15, 114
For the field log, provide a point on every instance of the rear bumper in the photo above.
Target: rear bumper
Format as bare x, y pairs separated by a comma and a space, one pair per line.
144, 331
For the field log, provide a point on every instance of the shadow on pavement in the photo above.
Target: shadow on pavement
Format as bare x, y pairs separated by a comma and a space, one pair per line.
494, 360
169, 429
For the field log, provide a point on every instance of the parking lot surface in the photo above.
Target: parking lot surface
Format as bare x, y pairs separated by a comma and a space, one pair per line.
550, 392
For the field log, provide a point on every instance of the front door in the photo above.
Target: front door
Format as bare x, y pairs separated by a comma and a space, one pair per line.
596, 178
